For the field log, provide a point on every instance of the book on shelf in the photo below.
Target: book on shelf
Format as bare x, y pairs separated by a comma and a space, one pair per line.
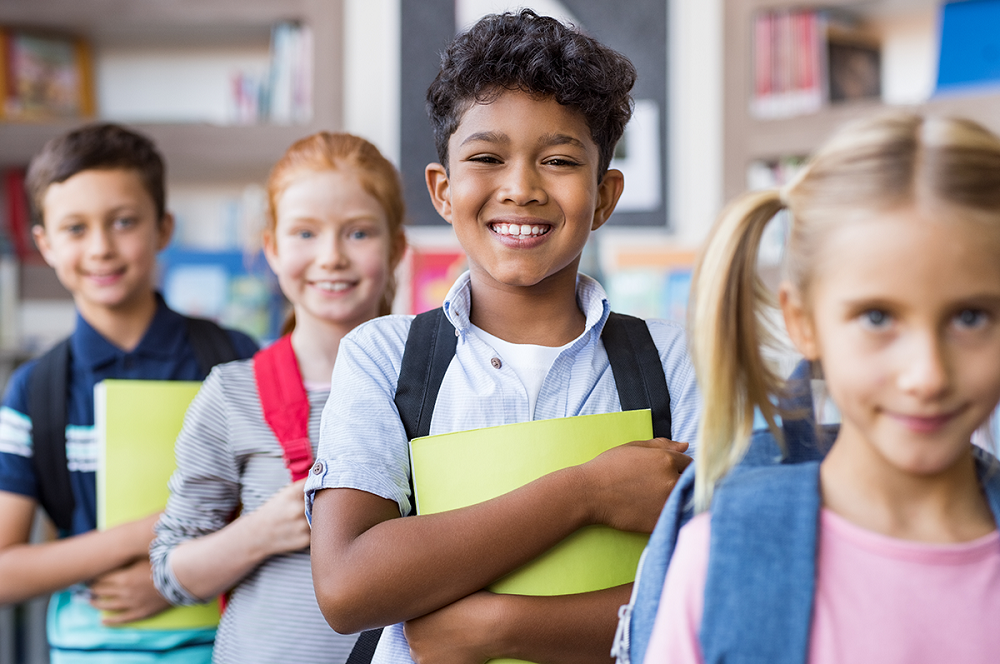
44, 76
805, 59
137, 422
463, 468
970, 45
15, 224
284, 93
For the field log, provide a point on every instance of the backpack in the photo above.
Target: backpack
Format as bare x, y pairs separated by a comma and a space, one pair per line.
47, 390
430, 346
755, 496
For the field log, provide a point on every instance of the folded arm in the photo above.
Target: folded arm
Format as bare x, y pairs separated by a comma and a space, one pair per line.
29, 570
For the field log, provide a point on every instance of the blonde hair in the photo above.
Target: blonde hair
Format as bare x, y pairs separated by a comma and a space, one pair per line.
872, 166
326, 151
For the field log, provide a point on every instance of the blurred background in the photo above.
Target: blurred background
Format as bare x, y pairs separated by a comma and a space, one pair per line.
731, 94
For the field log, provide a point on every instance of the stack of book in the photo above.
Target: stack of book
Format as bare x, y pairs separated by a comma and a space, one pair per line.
283, 95
804, 59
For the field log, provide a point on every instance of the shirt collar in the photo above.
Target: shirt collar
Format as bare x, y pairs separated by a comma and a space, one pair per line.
162, 339
590, 297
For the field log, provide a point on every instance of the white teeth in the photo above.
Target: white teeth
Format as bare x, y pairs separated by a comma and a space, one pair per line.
333, 286
520, 231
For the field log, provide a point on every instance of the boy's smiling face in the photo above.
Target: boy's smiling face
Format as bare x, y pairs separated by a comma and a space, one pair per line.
101, 234
522, 189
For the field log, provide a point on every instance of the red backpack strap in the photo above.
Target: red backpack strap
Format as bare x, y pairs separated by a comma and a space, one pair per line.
285, 403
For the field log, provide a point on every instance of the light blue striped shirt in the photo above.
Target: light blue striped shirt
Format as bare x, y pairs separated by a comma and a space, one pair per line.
362, 442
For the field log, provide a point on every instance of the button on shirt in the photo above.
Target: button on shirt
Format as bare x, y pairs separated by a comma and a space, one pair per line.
363, 444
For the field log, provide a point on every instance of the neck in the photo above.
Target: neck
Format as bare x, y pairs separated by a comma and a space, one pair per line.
315, 343
545, 314
124, 325
861, 485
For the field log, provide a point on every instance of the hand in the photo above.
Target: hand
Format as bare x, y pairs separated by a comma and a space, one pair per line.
128, 592
280, 523
629, 484
460, 633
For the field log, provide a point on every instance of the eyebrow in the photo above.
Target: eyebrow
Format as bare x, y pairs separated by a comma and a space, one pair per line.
548, 140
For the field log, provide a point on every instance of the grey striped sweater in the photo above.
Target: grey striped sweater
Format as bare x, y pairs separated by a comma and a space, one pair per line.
227, 456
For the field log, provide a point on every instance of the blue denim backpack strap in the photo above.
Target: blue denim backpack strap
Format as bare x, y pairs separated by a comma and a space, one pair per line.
988, 469
762, 566
635, 619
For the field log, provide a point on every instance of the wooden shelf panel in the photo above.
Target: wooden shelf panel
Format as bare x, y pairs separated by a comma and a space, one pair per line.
98, 18
192, 152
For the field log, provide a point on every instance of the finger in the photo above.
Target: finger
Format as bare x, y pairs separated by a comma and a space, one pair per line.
672, 445
109, 603
681, 461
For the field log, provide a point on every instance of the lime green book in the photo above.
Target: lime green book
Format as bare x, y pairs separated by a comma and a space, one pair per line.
137, 422
467, 467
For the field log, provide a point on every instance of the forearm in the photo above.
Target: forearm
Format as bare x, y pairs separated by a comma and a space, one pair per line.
397, 569
568, 628
210, 565
30, 570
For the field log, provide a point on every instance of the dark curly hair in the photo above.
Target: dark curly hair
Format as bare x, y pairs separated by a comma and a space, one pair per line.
95, 147
540, 56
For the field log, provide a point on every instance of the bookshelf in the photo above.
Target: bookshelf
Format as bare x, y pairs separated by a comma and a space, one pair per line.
907, 31
194, 151
146, 47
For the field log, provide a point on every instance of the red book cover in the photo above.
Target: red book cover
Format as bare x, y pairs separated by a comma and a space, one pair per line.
762, 54
18, 216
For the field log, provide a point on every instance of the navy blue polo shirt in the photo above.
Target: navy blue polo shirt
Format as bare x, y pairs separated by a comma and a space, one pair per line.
164, 353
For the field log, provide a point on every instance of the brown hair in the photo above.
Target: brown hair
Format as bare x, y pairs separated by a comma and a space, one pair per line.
872, 166
326, 151
95, 147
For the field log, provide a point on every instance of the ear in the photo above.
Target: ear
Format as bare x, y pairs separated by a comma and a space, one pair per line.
798, 321
42, 242
165, 231
439, 187
271, 250
608, 192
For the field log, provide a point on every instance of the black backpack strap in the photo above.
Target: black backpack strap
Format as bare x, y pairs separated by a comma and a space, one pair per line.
47, 390
430, 346
364, 647
635, 363
210, 343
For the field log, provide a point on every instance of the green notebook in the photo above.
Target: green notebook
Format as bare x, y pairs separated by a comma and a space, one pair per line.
467, 467
137, 423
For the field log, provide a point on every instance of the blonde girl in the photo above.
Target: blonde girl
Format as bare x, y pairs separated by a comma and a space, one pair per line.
333, 239
892, 290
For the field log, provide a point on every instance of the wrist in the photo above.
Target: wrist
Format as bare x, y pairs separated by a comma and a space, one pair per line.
584, 505
253, 536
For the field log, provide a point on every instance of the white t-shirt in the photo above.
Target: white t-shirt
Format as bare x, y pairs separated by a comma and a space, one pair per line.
531, 363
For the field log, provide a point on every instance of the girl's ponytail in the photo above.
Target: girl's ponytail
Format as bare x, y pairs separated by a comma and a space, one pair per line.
729, 334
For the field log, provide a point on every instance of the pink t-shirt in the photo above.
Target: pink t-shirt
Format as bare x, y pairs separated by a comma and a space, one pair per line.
878, 600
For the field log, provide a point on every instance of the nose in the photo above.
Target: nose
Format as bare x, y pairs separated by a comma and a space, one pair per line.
100, 244
522, 184
926, 369
333, 252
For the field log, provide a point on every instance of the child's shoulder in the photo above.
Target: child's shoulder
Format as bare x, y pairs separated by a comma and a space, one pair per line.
385, 335
16, 394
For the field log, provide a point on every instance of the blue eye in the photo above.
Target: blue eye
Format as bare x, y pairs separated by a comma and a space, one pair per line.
304, 234
875, 318
971, 318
